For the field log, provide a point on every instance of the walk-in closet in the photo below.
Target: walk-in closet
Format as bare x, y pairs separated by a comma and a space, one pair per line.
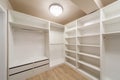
59, 40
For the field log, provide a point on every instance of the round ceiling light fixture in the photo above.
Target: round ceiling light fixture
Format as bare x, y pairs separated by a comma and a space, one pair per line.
56, 9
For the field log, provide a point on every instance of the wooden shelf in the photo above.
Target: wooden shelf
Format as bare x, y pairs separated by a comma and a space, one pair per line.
89, 55
89, 65
89, 45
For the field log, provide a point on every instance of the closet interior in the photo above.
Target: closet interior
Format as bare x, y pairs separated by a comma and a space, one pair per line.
90, 45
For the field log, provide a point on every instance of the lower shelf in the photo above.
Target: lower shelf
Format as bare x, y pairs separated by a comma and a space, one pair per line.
70, 65
88, 71
89, 65
70, 58
26, 71
87, 74
70, 61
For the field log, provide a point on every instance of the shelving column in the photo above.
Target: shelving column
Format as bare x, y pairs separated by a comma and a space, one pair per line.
88, 44
70, 44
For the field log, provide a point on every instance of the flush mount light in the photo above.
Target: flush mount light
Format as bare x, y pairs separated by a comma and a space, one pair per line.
56, 9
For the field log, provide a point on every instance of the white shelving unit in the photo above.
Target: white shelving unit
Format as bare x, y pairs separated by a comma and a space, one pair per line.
70, 43
88, 37
32, 42
97, 40
83, 45
91, 44
56, 44
28, 39
27, 42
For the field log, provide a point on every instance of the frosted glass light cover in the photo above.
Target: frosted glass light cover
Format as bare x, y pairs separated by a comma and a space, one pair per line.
56, 9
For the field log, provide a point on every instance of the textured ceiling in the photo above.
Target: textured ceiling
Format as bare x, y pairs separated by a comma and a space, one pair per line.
73, 9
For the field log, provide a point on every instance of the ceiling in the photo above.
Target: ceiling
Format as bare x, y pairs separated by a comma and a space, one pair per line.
73, 9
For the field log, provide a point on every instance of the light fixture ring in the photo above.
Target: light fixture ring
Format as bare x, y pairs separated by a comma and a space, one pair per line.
59, 6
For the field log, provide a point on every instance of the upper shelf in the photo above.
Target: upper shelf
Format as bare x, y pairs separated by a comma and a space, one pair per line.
56, 27
111, 10
70, 27
22, 20
27, 26
111, 20
89, 19
95, 24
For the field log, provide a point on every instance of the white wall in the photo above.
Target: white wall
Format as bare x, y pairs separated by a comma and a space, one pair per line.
3, 40
111, 58
3, 45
